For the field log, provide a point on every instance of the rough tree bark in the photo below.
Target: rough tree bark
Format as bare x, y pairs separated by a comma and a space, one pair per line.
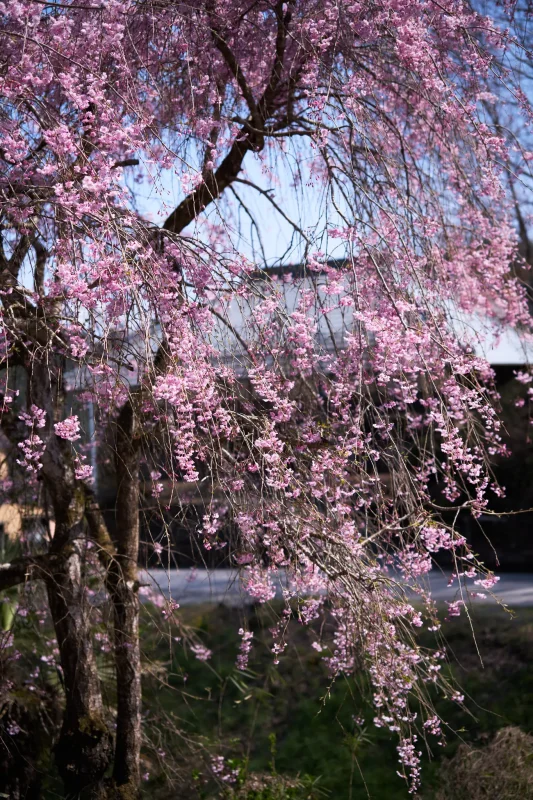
84, 748
123, 586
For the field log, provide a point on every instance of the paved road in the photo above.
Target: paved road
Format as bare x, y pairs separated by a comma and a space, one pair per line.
188, 587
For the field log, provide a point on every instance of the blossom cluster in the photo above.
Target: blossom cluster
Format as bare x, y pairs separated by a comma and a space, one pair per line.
324, 415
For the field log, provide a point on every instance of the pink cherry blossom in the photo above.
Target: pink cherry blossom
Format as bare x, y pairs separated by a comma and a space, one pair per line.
68, 429
317, 407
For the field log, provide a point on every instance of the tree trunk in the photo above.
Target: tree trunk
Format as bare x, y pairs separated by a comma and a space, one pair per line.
84, 749
123, 584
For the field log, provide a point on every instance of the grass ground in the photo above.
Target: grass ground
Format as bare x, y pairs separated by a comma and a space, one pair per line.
290, 721
286, 727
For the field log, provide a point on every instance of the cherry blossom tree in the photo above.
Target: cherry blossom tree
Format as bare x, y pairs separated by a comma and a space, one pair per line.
338, 413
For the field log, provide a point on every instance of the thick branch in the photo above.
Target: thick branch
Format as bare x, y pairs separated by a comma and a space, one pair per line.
238, 74
269, 94
213, 185
98, 530
28, 568
250, 137
41, 254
